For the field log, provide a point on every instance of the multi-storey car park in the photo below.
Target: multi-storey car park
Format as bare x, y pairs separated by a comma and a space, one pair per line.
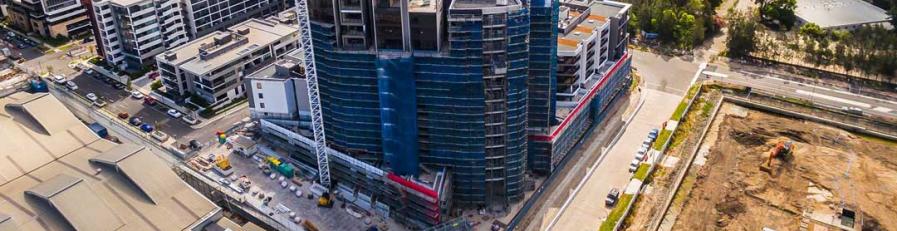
416, 89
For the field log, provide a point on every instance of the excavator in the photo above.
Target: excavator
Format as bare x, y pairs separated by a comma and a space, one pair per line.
782, 150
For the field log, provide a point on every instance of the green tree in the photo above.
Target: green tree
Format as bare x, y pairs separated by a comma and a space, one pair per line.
156, 85
684, 30
893, 14
780, 11
742, 38
812, 30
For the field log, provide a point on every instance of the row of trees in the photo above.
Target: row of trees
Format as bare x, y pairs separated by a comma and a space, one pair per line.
870, 51
684, 23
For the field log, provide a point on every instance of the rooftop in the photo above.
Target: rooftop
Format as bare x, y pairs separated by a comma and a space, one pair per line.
289, 67
609, 8
833, 13
55, 174
428, 6
124, 3
221, 48
480, 4
575, 26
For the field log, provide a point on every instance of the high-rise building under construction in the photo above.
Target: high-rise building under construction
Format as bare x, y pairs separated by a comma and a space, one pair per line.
482, 91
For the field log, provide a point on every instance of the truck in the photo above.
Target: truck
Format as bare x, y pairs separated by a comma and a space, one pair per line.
98, 129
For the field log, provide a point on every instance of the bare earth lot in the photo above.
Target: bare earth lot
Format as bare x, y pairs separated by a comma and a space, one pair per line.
829, 167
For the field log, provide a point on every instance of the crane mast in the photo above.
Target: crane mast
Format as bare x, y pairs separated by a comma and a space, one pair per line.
311, 78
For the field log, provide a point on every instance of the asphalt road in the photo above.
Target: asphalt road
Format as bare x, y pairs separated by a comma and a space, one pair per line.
823, 95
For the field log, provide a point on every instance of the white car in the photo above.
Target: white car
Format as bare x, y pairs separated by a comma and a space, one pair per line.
59, 79
136, 94
633, 166
190, 120
88, 71
174, 113
91, 97
71, 85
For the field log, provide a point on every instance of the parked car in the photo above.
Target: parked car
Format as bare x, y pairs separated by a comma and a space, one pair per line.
91, 97
123, 115
118, 86
160, 136
190, 120
88, 71
640, 154
99, 103
136, 94
146, 127
612, 197
59, 79
174, 113
135, 121
633, 166
149, 101
71, 85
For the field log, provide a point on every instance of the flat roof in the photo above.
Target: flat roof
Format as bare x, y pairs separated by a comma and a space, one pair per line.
580, 31
833, 13
480, 4
49, 182
262, 33
608, 8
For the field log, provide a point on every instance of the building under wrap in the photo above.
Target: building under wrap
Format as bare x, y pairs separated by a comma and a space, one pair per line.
469, 91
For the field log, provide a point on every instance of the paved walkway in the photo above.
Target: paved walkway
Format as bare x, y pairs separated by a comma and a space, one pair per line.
586, 211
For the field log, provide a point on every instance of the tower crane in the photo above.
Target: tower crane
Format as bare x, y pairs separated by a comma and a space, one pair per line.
311, 78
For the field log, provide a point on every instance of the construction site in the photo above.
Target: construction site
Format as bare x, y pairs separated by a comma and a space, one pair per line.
772, 167
768, 171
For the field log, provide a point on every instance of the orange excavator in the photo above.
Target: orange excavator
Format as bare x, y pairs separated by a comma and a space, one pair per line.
782, 150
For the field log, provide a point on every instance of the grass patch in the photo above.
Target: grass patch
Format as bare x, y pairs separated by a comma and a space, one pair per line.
616, 213
707, 108
642, 172
681, 194
877, 139
209, 113
636, 78
797, 101
662, 138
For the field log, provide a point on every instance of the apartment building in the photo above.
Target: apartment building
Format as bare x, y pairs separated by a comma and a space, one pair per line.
49, 18
592, 71
133, 32
278, 92
207, 16
213, 66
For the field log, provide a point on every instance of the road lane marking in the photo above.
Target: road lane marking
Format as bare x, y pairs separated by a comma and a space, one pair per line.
836, 99
883, 109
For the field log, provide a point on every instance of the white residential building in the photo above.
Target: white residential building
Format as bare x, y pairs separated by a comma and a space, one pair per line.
583, 51
213, 66
133, 32
279, 92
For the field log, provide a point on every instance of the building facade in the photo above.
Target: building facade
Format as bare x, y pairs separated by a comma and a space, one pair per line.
212, 67
437, 83
207, 16
133, 32
593, 70
487, 91
49, 18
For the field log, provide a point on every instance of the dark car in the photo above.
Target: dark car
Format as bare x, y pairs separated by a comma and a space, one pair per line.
612, 197
195, 145
118, 86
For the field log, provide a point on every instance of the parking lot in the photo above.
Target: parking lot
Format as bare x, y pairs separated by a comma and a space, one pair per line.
19, 46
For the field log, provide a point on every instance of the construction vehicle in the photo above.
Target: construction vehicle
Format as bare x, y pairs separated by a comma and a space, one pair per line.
782, 150
222, 166
325, 200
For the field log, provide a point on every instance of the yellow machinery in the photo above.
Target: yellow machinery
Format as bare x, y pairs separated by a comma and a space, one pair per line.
222, 162
325, 201
782, 150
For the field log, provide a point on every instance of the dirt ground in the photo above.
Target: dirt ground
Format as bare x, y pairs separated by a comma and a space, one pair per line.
732, 193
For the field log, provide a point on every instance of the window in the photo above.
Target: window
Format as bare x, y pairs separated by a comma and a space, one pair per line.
258, 86
261, 105
261, 96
